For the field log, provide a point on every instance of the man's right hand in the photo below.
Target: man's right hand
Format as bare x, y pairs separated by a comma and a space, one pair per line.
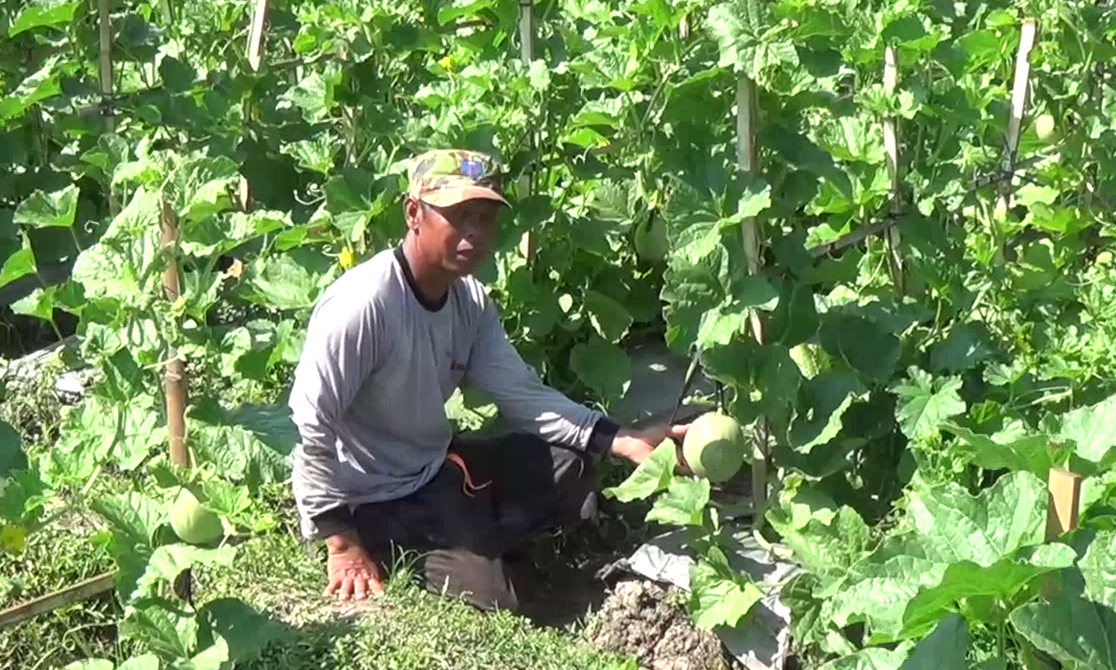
350, 569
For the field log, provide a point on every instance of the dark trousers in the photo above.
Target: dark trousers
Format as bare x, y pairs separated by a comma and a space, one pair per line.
486, 501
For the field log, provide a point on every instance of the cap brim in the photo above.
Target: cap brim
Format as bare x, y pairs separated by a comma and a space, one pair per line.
452, 196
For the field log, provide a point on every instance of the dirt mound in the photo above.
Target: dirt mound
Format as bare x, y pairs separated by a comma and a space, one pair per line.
639, 619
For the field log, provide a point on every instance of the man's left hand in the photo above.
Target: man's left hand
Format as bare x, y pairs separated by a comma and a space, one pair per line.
635, 445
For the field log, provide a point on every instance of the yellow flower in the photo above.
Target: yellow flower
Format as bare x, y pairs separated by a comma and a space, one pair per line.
346, 258
447, 62
13, 539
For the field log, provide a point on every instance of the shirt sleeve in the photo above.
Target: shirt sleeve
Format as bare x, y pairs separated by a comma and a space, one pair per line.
339, 354
497, 369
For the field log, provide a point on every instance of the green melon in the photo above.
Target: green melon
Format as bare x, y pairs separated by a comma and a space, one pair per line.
1044, 127
715, 447
651, 241
193, 523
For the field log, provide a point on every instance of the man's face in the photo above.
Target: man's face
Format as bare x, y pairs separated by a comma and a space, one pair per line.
459, 237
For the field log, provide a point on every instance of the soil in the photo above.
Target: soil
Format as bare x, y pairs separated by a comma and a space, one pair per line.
639, 619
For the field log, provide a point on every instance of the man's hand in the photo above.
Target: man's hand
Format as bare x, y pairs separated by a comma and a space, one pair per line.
636, 445
350, 569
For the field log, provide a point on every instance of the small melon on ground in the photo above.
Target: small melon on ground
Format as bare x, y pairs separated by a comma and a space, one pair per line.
192, 522
715, 447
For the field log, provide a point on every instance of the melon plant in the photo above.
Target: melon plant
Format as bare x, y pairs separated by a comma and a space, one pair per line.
192, 522
715, 447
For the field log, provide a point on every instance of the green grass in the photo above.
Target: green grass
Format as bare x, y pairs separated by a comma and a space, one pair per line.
275, 574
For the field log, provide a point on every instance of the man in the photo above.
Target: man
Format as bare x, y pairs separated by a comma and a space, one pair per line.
378, 468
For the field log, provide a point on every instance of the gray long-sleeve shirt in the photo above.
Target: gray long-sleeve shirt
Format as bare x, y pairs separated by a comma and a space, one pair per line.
377, 367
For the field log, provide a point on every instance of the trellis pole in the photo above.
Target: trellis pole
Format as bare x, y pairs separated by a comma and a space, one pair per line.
255, 51
104, 30
891, 151
527, 53
174, 376
746, 158
1020, 93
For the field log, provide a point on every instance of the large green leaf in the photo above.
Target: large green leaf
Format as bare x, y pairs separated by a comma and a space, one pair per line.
1078, 625
958, 546
651, 476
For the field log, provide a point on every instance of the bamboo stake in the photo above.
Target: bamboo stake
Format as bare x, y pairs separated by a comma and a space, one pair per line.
104, 29
746, 156
1019, 95
527, 53
94, 586
255, 50
891, 149
1063, 503
1063, 506
175, 374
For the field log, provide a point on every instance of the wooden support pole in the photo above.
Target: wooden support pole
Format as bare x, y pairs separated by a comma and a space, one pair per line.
1020, 93
891, 151
255, 51
527, 52
175, 373
104, 30
1063, 506
94, 586
1063, 503
746, 157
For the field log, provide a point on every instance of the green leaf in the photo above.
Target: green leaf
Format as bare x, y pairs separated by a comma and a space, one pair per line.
314, 95
169, 561
204, 188
92, 664
720, 596
12, 457
925, 403
1092, 429
957, 526
822, 402
19, 264
177, 76
290, 281
966, 580
165, 627
948, 526
862, 344
945, 648
43, 14
651, 476
46, 210
141, 662
610, 319
460, 8
1077, 632
683, 504
1031, 453
252, 446
234, 619
602, 366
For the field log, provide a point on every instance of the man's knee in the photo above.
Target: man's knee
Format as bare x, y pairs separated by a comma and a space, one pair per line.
576, 479
481, 581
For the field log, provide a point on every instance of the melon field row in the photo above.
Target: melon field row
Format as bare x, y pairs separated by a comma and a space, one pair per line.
931, 281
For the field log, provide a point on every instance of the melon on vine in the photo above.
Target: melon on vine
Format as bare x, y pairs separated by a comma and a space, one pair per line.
715, 447
192, 522
1044, 127
651, 241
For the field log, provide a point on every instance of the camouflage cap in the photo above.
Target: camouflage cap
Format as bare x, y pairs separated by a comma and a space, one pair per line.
445, 177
